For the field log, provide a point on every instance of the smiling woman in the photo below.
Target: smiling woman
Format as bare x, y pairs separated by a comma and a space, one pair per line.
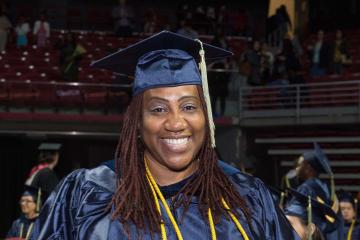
166, 181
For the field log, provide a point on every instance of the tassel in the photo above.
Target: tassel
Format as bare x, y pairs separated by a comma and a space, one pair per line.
205, 87
332, 186
309, 209
38, 203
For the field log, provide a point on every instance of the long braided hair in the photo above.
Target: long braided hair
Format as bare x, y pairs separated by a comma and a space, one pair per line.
133, 200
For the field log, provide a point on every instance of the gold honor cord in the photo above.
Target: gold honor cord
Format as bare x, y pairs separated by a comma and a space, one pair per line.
351, 229
28, 231
157, 193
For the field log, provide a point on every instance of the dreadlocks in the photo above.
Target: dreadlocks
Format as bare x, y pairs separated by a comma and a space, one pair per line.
133, 199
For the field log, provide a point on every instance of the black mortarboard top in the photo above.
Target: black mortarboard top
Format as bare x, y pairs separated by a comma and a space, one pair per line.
321, 214
318, 160
49, 147
345, 196
278, 195
164, 59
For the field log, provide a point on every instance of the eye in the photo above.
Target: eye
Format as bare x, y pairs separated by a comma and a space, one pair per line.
158, 109
189, 107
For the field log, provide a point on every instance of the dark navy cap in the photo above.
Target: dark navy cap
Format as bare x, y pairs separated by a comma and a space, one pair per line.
165, 59
318, 160
49, 147
31, 191
345, 196
322, 214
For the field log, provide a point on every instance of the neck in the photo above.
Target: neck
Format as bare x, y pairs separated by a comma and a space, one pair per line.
51, 166
165, 176
31, 215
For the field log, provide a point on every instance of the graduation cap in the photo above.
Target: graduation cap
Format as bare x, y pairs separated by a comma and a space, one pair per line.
49, 147
311, 210
35, 193
166, 59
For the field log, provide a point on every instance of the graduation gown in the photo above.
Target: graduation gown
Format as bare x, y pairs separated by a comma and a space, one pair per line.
78, 209
320, 191
23, 224
355, 234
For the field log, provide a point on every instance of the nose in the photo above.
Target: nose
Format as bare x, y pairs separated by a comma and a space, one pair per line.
175, 122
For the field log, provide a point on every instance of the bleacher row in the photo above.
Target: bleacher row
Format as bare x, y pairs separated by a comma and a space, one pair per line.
341, 146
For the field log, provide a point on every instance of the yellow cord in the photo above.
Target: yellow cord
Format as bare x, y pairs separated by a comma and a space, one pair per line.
212, 225
162, 225
351, 230
167, 209
157, 193
237, 223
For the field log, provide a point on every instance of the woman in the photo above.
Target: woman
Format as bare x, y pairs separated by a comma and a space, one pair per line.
166, 182
42, 31
23, 227
22, 30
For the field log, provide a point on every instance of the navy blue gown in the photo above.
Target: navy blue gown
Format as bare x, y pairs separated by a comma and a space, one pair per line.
355, 235
79, 209
24, 223
319, 190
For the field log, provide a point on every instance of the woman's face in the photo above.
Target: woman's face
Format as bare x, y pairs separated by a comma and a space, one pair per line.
173, 127
27, 204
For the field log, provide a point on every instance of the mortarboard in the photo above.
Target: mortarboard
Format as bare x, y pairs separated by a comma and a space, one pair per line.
318, 160
165, 59
35, 193
312, 211
49, 147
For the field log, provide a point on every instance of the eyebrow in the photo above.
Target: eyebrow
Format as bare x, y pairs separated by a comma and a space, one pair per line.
180, 99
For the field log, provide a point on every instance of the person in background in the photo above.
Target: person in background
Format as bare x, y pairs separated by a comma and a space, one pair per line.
340, 53
42, 31
42, 176
30, 202
122, 15
253, 57
320, 55
71, 54
309, 166
348, 206
22, 29
219, 78
5, 25
167, 181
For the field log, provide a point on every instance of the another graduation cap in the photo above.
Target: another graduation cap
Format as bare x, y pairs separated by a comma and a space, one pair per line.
165, 59
312, 211
54, 147
35, 193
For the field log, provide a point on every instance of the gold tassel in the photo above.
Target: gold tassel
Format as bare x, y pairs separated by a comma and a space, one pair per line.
309, 208
205, 87
38, 203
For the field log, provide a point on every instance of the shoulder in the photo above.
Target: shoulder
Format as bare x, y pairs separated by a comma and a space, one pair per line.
245, 183
99, 177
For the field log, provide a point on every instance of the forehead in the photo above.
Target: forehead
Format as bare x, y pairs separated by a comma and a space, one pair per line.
345, 204
172, 93
27, 197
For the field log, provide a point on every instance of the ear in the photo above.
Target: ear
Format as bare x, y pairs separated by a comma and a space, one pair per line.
312, 228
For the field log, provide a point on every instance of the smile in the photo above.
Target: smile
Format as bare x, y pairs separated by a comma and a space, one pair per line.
176, 141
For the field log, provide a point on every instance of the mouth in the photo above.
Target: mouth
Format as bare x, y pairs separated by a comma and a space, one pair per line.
176, 141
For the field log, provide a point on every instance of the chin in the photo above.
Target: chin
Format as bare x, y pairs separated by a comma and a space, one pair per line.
178, 164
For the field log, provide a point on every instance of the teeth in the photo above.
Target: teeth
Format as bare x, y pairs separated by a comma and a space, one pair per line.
178, 141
